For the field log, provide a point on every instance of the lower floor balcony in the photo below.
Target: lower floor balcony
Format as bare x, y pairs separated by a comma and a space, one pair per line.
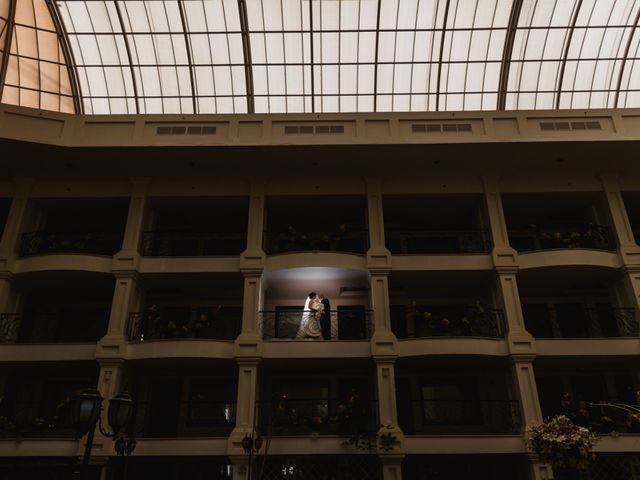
321, 416
204, 322
161, 419
460, 417
605, 467
36, 420
319, 467
465, 467
425, 321
577, 320
74, 325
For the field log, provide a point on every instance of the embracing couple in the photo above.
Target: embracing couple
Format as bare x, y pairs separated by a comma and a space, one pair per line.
316, 318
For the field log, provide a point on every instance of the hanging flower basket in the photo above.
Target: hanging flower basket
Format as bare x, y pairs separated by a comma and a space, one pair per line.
561, 443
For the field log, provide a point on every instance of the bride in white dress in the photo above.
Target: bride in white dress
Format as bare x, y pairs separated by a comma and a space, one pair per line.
309, 323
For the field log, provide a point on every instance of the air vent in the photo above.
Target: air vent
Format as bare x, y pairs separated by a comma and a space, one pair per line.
441, 128
313, 130
190, 130
568, 126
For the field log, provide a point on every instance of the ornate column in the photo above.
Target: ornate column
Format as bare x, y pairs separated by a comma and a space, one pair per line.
521, 345
126, 295
383, 342
248, 346
10, 241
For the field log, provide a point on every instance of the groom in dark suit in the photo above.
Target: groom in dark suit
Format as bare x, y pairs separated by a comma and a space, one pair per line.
325, 321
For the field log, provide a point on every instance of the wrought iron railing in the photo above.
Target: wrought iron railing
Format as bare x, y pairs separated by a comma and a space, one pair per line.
73, 326
322, 416
192, 244
289, 241
605, 466
568, 234
604, 416
211, 323
34, 420
196, 418
296, 324
460, 417
588, 321
96, 243
423, 321
9, 327
425, 241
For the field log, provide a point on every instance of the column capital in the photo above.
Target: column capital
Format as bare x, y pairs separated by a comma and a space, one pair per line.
252, 263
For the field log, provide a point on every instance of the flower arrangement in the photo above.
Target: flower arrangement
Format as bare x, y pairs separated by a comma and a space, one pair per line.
562, 443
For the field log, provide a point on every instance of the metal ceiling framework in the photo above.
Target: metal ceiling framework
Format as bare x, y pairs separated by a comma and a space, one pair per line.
287, 56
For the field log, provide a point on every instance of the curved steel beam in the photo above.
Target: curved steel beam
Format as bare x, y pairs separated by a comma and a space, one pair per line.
624, 59
565, 54
507, 53
11, 22
187, 44
375, 67
246, 50
313, 73
444, 30
128, 48
69, 57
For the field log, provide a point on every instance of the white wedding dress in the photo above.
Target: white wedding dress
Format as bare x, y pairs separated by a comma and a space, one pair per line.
309, 324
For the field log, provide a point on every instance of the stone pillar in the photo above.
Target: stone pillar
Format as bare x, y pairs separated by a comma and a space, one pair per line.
377, 256
622, 230
7, 303
391, 466
10, 241
135, 219
502, 252
245, 407
240, 466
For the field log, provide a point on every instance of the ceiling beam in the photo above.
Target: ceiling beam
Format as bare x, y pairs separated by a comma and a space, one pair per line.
375, 59
624, 59
246, 50
128, 48
11, 21
565, 54
444, 30
69, 57
187, 43
507, 53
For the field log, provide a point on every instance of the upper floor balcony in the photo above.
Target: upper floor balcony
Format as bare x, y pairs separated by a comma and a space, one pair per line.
196, 227
345, 323
316, 224
435, 224
544, 221
74, 226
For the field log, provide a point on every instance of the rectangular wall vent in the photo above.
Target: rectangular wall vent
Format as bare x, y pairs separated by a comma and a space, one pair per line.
313, 129
569, 126
190, 130
441, 128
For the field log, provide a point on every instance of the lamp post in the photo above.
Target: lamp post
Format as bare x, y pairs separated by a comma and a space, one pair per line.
251, 445
86, 414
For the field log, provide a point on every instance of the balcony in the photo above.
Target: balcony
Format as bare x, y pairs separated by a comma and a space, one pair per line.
295, 241
70, 326
576, 234
178, 323
575, 320
322, 416
462, 417
87, 243
425, 321
191, 244
402, 241
34, 420
285, 324
195, 418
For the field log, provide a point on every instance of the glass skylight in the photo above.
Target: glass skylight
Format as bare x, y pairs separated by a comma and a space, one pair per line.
279, 56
